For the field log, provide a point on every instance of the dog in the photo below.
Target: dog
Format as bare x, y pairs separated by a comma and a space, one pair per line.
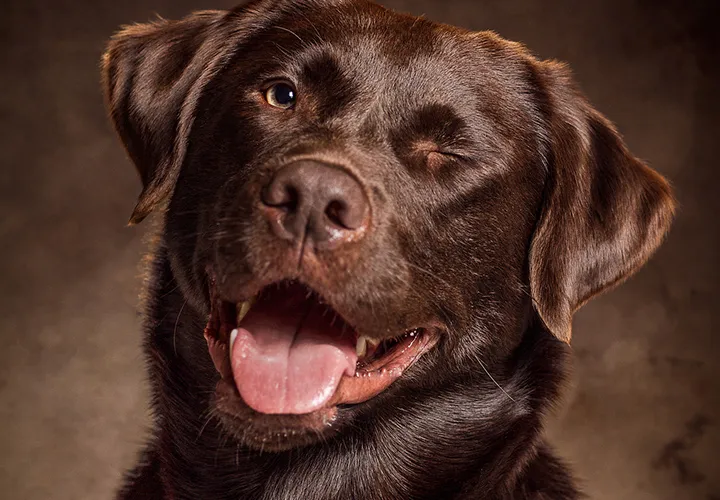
375, 232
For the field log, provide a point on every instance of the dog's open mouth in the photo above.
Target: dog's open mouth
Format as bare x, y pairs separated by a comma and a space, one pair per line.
288, 353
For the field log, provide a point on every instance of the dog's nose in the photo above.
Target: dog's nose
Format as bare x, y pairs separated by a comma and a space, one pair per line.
318, 201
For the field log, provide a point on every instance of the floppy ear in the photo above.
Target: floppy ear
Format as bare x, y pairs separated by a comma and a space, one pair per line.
604, 213
153, 76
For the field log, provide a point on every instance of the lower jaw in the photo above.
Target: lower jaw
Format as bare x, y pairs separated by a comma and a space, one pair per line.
278, 433
371, 378
270, 433
374, 374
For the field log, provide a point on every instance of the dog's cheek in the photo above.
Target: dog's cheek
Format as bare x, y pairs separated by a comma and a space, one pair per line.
181, 236
211, 200
469, 261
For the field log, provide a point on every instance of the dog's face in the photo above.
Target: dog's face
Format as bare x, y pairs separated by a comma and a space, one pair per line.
366, 206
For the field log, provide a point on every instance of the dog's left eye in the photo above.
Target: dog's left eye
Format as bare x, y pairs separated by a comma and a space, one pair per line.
281, 95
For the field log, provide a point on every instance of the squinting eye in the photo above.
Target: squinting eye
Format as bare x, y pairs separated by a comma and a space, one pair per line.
281, 95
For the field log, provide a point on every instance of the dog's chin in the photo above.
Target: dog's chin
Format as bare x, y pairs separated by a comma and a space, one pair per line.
271, 433
288, 362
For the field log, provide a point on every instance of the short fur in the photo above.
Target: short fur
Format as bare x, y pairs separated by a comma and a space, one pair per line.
501, 202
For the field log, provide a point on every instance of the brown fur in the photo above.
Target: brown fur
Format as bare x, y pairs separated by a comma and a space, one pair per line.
501, 202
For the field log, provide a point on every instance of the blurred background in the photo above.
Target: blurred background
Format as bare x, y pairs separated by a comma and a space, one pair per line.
642, 418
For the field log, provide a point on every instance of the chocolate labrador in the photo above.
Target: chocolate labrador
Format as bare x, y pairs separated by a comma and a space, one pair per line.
376, 230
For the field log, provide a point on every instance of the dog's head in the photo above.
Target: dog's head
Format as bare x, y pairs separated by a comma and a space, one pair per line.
366, 204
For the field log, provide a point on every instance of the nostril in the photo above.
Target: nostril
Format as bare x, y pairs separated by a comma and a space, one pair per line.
291, 200
285, 196
336, 213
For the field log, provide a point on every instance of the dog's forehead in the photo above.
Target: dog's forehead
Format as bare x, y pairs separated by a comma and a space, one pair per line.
369, 72
364, 52
365, 39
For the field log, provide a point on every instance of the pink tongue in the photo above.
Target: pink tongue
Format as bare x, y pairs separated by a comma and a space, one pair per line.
288, 360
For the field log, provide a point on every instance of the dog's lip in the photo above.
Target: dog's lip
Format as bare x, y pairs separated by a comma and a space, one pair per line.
252, 288
366, 384
369, 379
390, 367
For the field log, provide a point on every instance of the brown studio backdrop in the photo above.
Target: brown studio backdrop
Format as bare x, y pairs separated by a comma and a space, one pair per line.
642, 420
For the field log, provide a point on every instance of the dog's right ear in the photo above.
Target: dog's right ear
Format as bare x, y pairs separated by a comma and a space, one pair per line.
153, 75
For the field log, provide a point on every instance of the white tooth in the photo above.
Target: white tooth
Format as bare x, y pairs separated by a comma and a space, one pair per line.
361, 346
233, 338
363, 342
243, 309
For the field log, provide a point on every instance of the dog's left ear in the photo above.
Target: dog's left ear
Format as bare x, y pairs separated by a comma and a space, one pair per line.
604, 213
153, 76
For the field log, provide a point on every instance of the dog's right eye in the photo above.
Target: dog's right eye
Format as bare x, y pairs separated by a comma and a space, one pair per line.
281, 95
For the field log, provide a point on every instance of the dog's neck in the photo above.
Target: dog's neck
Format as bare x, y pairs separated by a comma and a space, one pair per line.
482, 437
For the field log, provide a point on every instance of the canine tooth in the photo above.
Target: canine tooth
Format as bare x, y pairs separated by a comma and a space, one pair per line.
243, 309
361, 346
233, 338
365, 344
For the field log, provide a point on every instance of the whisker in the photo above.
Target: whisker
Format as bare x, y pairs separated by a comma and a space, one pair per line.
292, 33
169, 292
177, 321
429, 273
210, 417
319, 38
482, 365
283, 52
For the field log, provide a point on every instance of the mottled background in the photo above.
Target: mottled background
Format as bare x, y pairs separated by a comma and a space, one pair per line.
642, 420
